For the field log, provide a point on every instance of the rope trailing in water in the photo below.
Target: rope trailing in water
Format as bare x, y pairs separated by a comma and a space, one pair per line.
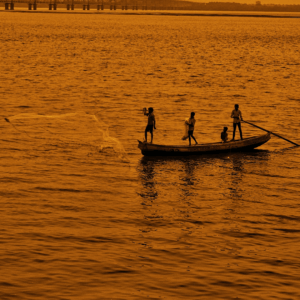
7, 120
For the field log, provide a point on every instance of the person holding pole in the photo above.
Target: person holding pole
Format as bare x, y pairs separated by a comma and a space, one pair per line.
237, 118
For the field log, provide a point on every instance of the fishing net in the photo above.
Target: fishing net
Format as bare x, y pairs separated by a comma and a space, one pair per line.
72, 130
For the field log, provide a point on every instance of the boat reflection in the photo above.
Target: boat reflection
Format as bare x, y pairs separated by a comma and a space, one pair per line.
146, 174
186, 193
236, 177
238, 172
192, 174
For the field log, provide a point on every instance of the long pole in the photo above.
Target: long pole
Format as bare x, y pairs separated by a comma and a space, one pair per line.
271, 132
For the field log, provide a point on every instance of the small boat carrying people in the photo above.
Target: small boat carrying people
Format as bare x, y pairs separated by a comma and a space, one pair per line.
210, 148
232, 146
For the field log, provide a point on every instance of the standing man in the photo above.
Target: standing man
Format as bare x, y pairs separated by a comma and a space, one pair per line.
151, 123
191, 122
237, 118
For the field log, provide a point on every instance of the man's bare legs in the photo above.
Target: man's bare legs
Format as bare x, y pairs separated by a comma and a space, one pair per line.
240, 130
191, 135
146, 136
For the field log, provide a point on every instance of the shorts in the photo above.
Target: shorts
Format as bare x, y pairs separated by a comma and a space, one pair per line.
190, 132
149, 128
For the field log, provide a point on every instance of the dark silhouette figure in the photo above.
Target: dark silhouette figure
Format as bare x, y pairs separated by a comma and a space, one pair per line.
224, 135
150, 124
191, 122
237, 118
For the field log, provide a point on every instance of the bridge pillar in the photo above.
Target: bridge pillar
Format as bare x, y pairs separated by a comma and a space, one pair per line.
52, 6
32, 6
9, 6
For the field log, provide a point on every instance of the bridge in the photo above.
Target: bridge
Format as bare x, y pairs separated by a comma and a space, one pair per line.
98, 4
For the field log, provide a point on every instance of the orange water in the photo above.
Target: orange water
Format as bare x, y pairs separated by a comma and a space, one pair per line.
85, 216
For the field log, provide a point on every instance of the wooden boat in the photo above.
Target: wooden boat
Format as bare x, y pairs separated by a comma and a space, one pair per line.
232, 146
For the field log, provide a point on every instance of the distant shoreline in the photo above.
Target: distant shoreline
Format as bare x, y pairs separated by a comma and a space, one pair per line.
160, 13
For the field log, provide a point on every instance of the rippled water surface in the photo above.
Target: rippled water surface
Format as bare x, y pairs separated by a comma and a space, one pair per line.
85, 216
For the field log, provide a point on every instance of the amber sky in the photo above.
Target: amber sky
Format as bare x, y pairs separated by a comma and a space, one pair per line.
252, 1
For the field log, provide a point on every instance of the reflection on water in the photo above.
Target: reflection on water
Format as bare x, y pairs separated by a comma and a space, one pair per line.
239, 174
147, 178
236, 190
190, 226
188, 178
194, 171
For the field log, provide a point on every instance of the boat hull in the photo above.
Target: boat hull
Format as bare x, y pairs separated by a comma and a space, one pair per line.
232, 146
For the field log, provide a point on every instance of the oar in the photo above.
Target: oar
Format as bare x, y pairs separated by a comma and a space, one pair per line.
271, 132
